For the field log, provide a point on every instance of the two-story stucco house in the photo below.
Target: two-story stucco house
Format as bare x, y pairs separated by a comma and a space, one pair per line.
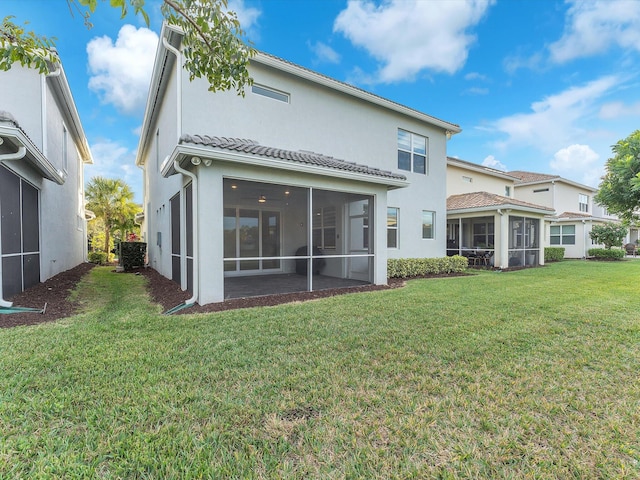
575, 211
485, 220
43, 150
304, 183
535, 210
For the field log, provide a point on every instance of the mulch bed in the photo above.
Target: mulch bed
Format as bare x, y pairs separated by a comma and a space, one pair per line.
53, 292
168, 294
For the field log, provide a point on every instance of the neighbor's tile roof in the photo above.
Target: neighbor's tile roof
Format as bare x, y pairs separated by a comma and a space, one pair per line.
574, 215
486, 199
309, 158
527, 177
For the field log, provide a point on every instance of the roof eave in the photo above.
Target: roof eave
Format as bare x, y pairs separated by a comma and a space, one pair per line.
315, 77
520, 208
33, 155
182, 152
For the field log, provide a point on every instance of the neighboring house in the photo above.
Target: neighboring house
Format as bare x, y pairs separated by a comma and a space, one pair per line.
575, 211
486, 223
304, 183
43, 150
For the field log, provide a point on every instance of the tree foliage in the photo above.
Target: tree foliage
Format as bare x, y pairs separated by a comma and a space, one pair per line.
609, 234
212, 43
620, 186
112, 202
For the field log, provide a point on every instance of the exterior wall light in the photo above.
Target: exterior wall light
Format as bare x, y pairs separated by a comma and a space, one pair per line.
262, 199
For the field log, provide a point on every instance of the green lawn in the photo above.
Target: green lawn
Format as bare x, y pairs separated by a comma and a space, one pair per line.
527, 374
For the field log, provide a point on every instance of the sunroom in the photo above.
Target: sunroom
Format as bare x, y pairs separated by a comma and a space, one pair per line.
495, 231
270, 221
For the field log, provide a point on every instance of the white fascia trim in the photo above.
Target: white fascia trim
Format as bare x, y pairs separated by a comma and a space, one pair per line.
34, 156
505, 208
183, 151
71, 112
480, 169
560, 180
162, 56
348, 89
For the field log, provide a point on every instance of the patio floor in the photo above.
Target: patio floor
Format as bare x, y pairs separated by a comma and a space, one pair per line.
259, 285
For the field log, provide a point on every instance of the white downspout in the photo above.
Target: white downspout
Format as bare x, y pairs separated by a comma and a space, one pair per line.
22, 151
196, 267
178, 55
45, 136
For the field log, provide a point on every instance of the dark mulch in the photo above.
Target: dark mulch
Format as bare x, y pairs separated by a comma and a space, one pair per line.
168, 294
53, 292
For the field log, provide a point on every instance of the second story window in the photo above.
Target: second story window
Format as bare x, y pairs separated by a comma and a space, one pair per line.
413, 152
507, 191
583, 202
270, 93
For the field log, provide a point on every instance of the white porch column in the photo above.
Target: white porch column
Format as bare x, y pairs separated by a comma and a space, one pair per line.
541, 240
503, 259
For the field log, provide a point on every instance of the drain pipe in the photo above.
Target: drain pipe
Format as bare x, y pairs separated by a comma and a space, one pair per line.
196, 250
22, 151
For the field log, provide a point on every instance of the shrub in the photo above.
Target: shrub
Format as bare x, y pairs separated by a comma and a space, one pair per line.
417, 267
609, 234
553, 254
607, 254
99, 258
132, 255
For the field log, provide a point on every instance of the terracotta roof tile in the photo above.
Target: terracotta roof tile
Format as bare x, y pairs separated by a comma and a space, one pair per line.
309, 158
486, 199
527, 177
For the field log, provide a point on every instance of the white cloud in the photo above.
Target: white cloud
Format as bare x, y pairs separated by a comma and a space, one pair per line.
247, 16
476, 91
555, 121
614, 110
324, 53
593, 27
476, 76
121, 71
113, 160
492, 162
408, 36
578, 162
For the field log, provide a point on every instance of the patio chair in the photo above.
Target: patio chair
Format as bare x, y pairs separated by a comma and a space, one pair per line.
631, 249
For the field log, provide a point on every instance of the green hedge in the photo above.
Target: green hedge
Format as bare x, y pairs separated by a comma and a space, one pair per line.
99, 258
418, 267
553, 254
607, 254
132, 255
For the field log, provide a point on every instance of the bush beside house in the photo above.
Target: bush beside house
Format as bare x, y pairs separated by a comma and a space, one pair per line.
418, 267
607, 253
553, 254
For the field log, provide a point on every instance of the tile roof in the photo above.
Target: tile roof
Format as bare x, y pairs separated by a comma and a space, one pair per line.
486, 199
302, 157
527, 177
574, 215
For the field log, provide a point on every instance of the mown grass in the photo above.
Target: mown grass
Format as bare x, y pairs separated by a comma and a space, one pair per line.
527, 374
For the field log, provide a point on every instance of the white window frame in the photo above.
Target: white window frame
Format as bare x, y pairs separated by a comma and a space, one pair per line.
271, 93
562, 235
583, 202
395, 228
414, 138
433, 225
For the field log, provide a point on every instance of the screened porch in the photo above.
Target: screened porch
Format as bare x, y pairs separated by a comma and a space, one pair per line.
281, 239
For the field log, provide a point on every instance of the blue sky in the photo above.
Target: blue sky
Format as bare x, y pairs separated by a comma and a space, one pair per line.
539, 85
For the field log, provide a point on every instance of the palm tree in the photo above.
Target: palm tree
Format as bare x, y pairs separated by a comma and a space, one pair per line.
112, 201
